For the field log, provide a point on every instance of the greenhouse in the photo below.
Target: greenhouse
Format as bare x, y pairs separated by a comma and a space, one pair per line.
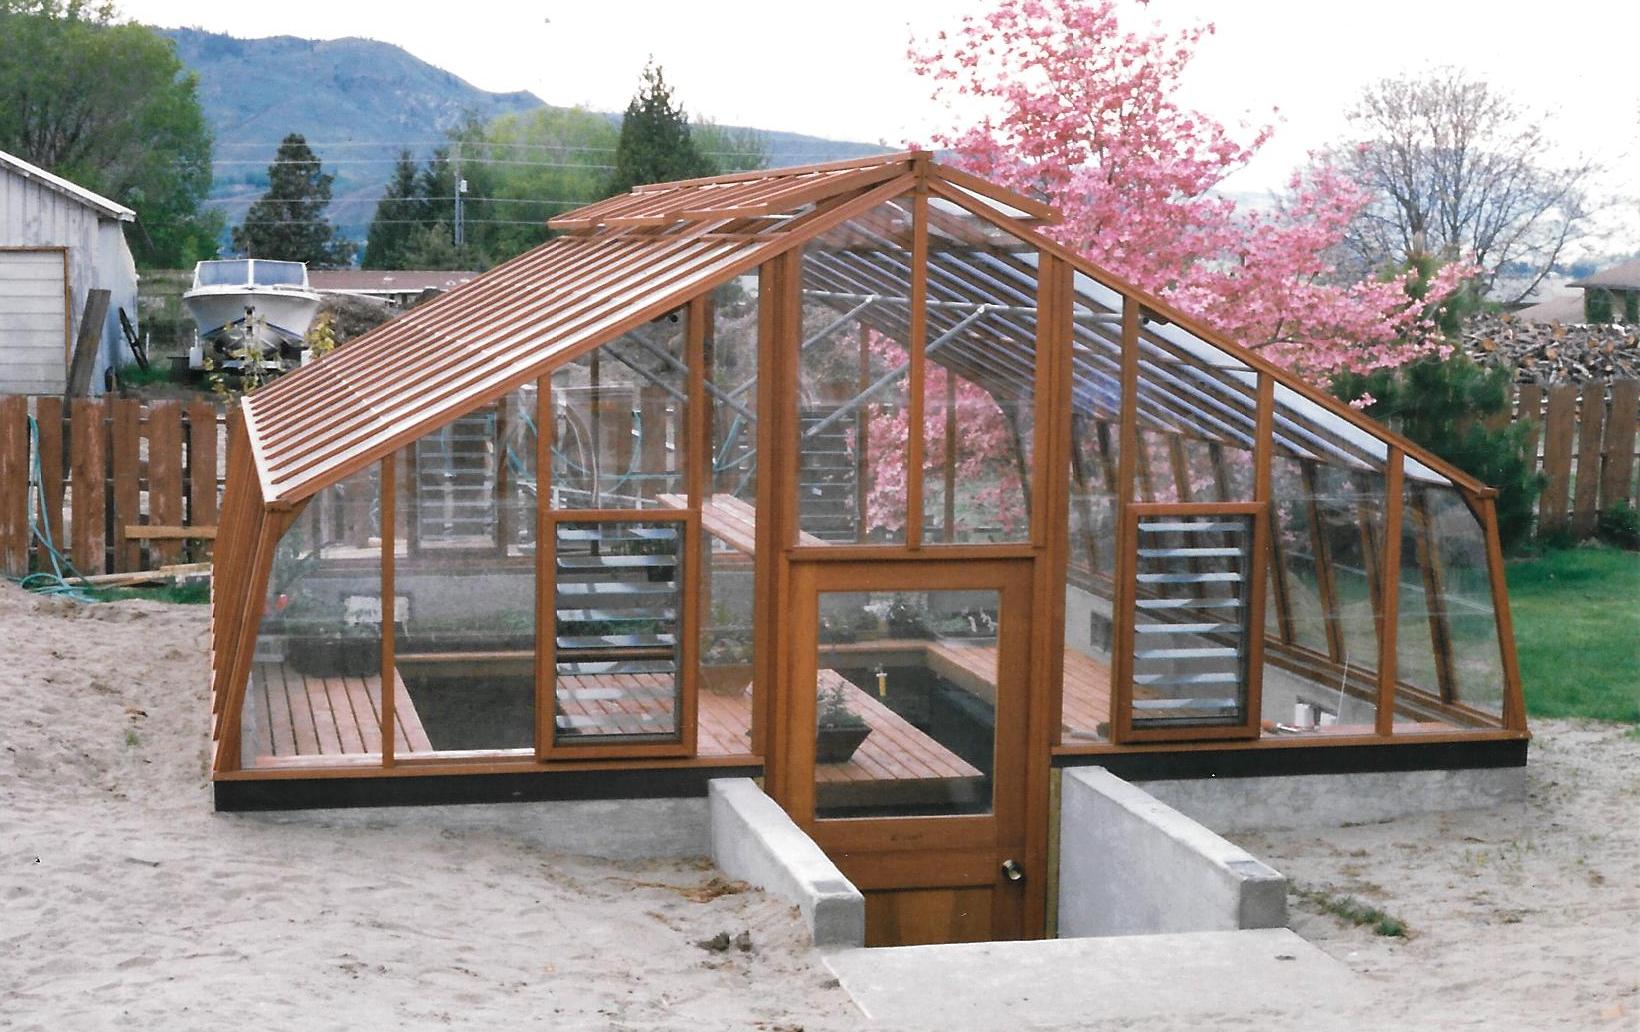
849, 478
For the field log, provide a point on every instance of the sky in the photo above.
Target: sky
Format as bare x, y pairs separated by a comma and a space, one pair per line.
839, 69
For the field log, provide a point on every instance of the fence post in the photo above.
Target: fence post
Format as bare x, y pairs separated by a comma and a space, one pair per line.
1619, 447
1557, 456
14, 474
125, 445
89, 510
1586, 482
164, 478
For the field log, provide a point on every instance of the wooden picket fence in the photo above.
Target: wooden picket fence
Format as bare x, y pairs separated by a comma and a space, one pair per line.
125, 486
1584, 436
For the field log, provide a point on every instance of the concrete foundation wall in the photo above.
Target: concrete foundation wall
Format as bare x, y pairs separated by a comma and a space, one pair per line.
1131, 865
755, 841
1330, 800
613, 829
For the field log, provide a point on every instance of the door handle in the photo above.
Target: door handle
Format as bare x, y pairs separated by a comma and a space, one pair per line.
1012, 871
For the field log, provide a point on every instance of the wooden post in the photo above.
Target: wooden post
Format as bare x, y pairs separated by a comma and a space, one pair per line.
387, 507
14, 478
862, 428
1127, 457
48, 416
203, 504
88, 343
546, 574
1586, 488
1263, 457
164, 477
88, 475
917, 344
1514, 703
1387, 607
1557, 456
1618, 467
125, 434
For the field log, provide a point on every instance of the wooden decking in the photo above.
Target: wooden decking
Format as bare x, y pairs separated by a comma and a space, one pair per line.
291, 716
732, 520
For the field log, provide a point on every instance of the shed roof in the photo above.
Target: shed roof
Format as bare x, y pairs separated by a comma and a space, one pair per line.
1623, 276
73, 191
628, 260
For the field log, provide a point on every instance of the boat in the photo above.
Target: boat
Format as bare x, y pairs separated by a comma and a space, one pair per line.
235, 302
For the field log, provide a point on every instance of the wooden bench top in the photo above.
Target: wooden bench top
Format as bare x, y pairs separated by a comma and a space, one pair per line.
292, 716
732, 520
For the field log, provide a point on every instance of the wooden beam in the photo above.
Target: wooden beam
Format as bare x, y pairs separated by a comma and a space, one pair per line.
1514, 702
917, 345
1387, 606
166, 532
88, 343
387, 533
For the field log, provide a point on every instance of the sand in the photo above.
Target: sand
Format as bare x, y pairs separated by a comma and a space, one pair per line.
125, 902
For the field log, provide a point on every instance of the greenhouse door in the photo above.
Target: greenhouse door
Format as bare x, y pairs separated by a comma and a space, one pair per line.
906, 712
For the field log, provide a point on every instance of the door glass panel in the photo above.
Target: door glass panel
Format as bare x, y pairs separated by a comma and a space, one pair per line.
1190, 628
905, 701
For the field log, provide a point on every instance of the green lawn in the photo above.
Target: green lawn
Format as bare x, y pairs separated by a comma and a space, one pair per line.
1577, 628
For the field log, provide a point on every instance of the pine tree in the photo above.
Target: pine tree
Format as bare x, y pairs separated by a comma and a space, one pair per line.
655, 144
395, 222
288, 222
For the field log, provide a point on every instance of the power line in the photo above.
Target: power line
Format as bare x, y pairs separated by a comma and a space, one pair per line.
412, 200
394, 161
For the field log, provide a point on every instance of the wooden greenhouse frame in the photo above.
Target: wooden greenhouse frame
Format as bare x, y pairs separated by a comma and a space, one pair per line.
1140, 457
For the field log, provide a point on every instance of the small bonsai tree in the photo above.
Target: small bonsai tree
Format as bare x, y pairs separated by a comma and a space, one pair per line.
834, 708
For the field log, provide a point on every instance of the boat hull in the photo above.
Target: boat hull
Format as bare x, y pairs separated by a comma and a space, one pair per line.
276, 318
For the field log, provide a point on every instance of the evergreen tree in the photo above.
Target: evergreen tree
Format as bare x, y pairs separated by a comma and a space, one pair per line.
288, 222
396, 219
655, 145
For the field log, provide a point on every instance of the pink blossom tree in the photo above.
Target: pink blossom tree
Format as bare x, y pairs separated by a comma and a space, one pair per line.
1083, 114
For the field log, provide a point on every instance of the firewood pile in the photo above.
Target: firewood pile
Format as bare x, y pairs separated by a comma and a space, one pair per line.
1554, 352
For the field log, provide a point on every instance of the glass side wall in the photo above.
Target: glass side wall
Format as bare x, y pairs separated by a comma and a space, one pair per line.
1450, 666
979, 387
731, 392
618, 421
728, 606
465, 573
854, 363
905, 703
314, 696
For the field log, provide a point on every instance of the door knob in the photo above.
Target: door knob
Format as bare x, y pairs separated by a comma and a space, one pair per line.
1012, 871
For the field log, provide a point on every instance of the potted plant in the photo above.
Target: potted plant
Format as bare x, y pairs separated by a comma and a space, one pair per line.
323, 642
839, 730
726, 664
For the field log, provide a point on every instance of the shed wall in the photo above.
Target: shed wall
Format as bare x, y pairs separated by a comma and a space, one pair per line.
32, 215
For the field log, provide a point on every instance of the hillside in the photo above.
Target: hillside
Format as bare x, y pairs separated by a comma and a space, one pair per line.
358, 101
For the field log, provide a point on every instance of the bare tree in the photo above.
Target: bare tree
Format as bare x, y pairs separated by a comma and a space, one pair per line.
1454, 167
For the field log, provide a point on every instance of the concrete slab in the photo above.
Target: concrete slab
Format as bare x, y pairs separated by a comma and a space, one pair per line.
1082, 983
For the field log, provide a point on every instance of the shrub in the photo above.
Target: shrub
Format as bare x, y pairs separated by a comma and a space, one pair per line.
1619, 525
1444, 405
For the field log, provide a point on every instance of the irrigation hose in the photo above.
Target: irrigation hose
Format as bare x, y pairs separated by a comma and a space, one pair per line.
56, 581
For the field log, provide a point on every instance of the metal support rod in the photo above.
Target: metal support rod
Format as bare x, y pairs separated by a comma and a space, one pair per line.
889, 377
839, 323
683, 367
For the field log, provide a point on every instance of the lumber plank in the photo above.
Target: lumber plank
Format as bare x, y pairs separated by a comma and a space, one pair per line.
202, 462
48, 414
14, 477
1557, 456
124, 444
1586, 482
1617, 471
88, 470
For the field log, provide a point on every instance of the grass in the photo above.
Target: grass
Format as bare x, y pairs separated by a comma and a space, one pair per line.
193, 592
1352, 911
1577, 630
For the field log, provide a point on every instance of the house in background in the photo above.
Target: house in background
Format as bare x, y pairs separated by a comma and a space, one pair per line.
58, 241
398, 287
1609, 296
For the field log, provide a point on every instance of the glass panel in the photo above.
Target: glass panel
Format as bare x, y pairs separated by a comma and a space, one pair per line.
1190, 628
731, 380
979, 391
465, 574
281, 274
1321, 634
315, 684
905, 703
853, 373
1447, 631
727, 649
617, 617
618, 412
230, 273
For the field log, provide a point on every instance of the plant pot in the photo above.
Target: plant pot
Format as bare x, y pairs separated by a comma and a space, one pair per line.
728, 679
335, 657
837, 744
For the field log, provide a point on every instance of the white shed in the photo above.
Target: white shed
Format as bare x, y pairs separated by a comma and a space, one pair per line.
58, 241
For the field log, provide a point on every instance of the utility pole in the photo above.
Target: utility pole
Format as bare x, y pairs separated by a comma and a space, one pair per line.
461, 188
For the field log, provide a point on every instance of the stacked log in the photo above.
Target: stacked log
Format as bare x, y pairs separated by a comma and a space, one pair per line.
1554, 352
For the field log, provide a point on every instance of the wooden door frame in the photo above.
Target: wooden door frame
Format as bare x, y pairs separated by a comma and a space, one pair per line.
970, 845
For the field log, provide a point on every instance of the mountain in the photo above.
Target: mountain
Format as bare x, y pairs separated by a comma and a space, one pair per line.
358, 101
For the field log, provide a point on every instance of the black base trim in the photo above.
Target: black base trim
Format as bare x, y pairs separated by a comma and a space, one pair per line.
1332, 759
529, 786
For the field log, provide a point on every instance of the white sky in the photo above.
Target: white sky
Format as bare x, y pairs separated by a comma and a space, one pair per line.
838, 68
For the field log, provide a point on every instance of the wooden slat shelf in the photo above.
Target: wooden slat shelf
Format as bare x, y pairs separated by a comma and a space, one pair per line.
293, 717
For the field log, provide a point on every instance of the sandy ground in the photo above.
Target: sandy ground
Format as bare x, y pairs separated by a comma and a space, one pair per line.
126, 903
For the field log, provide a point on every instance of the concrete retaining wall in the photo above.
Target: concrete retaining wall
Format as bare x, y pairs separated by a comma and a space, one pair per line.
1131, 865
755, 841
1331, 800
